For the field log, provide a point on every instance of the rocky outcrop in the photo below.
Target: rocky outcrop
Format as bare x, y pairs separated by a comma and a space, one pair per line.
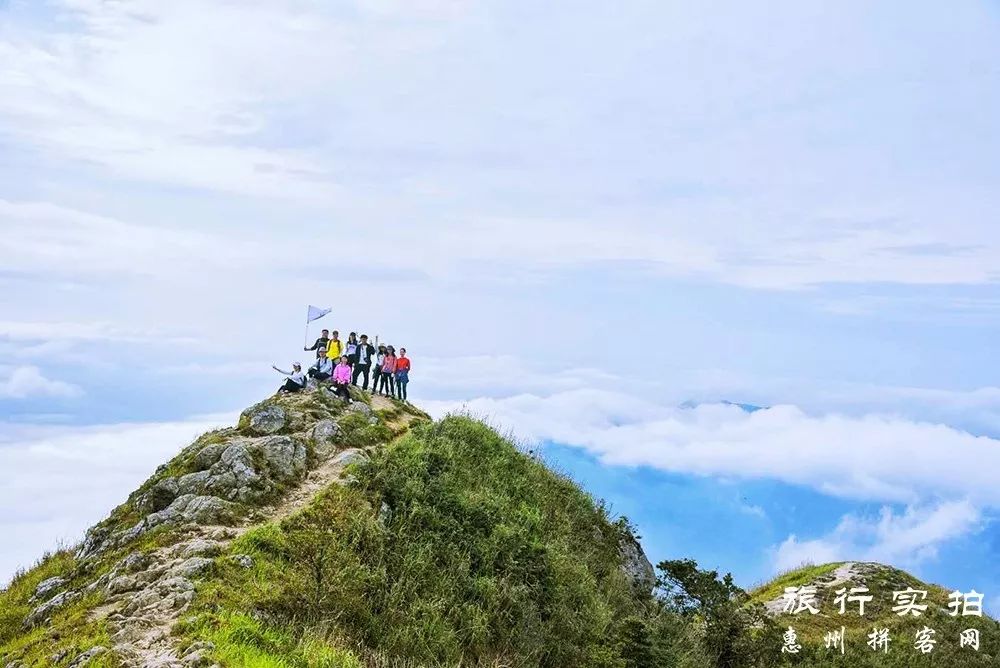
161, 495
236, 473
263, 419
46, 588
243, 470
201, 509
636, 565
360, 407
324, 435
45, 610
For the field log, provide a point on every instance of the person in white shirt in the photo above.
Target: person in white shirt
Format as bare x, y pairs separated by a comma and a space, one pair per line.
322, 369
296, 379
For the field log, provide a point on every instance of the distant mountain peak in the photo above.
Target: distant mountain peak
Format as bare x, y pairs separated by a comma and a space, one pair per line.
748, 408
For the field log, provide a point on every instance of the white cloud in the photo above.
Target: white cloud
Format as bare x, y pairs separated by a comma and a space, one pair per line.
435, 114
62, 332
754, 510
904, 539
28, 381
870, 457
68, 478
54, 241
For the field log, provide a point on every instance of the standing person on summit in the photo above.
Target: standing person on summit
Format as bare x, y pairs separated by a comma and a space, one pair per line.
321, 344
363, 361
388, 371
335, 347
379, 359
402, 374
351, 348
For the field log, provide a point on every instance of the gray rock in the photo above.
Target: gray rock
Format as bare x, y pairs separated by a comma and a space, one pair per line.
384, 514
350, 456
208, 455
193, 567
88, 656
100, 583
360, 407
199, 547
264, 419
45, 610
129, 534
223, 533
324, 436
174, 584
136, 561
243, 560
122, 584
347, 480
160, 495
206, 510
636, 566
198, 654
170, 593
197, 658
234, 476
193, 483
47, 588
284, 457
94, 542
192, 508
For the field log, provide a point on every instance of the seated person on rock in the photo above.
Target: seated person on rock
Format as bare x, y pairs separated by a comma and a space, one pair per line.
296, 379
322, 369
342, 378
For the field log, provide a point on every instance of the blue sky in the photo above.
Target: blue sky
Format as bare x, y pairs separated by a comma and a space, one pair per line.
576, 217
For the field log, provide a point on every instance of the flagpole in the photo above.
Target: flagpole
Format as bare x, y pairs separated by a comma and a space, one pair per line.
305, 341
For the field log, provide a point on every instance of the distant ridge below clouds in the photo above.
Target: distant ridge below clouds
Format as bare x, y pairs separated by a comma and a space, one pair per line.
749, 408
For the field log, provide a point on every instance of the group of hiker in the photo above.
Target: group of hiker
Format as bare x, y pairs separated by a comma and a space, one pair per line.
343, 363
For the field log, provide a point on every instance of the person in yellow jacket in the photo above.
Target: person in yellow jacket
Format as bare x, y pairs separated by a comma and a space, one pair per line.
335, 349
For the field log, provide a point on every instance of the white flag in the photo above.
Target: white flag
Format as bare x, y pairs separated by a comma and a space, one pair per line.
315, 313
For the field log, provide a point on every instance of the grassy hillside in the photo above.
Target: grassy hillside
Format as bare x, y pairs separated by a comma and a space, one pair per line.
450, 547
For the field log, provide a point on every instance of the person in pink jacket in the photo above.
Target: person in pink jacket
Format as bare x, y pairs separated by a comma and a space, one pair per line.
342, 378
388, 372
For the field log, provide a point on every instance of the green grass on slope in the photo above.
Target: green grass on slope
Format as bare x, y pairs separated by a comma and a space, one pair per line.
70, 631
452, 547
793, 578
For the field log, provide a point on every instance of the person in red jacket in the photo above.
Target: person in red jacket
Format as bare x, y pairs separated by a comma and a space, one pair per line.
402, 374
